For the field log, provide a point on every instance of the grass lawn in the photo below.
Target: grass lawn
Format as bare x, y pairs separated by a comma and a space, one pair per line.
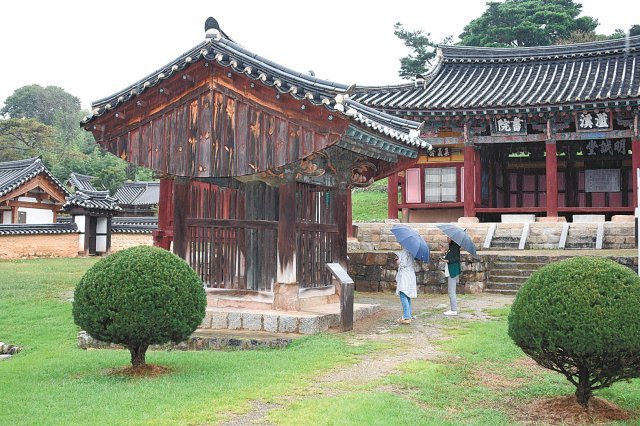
481, 378
53, 382
370, 204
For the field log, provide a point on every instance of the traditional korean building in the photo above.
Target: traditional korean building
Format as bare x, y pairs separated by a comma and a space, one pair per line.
257, 161
138, 198
550, 131
29, 193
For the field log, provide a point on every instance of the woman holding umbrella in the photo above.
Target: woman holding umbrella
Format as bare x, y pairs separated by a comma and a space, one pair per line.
406, 284
456, 237
414, 247
452, 271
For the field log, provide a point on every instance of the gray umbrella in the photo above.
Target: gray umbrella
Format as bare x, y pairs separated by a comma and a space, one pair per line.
458, 235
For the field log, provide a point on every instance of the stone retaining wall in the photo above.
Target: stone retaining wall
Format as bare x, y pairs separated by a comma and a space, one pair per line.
375, 271
39, 245
542, 235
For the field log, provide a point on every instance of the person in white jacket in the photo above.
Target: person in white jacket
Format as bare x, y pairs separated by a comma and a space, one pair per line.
406, 284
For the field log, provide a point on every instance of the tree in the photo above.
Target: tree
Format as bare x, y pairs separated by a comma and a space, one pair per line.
423, 51
579, 317
634, 30
23, 138
138, 297
526, 23
49, 105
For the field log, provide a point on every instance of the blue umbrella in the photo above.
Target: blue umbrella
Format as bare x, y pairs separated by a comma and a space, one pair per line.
412, 242
458, 235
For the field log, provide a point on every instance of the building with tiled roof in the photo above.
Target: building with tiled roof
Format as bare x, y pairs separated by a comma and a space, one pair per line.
545, 131
79, 182
138, 198
29, 193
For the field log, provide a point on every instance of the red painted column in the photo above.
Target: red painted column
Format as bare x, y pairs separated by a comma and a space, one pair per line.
469, 185
163, 235
286, 289
180, 214
392, 196
552, 179
477, 179
635, 164
349, 215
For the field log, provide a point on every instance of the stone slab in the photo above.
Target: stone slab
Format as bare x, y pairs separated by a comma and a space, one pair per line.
588, 218
517, 218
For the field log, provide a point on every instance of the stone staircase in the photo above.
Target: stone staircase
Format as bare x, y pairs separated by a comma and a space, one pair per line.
508, 273
506, 237
582, 238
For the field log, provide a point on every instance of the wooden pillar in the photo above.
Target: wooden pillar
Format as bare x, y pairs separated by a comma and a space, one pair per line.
552, 178
340, 242
163, 235
180, 214
14, 215
109, 231
286, 289
392, 196
477, 178
349, 215
469, 185
635, 164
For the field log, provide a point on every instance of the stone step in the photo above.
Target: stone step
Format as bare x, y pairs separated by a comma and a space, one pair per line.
501, 291
513, 272
506, 279
301, 322
539, 260
521, 266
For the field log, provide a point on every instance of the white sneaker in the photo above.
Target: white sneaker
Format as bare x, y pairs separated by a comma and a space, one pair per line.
451, 313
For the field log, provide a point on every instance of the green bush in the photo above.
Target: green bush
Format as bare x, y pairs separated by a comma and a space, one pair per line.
581, 317
138, 297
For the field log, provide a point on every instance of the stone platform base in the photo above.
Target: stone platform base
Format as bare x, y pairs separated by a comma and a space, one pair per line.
302, 322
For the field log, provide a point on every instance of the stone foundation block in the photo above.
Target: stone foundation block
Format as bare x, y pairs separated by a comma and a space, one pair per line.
234, 321
287, 324
270, 323
312, 325
219, 320
252, 321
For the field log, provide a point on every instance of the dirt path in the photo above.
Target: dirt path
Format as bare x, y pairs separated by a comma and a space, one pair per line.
407, 342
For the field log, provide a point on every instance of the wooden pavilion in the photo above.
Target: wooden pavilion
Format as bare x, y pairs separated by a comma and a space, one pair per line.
550, 131
257, 162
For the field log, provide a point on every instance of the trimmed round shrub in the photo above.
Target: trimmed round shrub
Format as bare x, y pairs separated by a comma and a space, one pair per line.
138, 297
581, 317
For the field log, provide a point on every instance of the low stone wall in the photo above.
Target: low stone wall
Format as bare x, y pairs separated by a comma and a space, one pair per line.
126, 240
542, 235
376, 271
194, 343
39, 245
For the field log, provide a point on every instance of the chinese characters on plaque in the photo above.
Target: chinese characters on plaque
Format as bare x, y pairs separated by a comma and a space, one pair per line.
440, 152
605, 147
593, 121
509, 126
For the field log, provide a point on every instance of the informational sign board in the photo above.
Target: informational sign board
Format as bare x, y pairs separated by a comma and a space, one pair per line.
602, 180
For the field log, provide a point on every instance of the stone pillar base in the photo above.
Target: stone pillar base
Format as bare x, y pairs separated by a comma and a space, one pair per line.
468, 219
286, 297
623, 218
553, 219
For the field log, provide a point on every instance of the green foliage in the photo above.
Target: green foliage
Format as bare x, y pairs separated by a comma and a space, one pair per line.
138, 297
23, 138
423, 51
579, 317
526, 23
634, 30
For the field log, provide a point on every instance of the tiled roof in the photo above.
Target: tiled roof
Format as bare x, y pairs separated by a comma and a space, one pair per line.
477, 80
47, 228
138, 193
223, 52
134, 225
14, 174
81, 182
92, 200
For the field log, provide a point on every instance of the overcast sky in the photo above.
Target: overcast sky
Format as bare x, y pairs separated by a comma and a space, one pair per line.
94, 49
